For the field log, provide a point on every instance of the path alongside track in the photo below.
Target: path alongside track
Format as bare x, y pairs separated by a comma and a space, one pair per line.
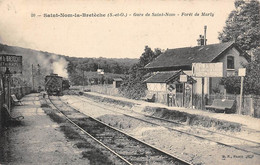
37, 140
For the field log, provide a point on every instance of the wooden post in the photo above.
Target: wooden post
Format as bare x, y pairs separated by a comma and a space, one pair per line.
183, 98
242, 73
252, 111
2, 100
192, 102
32, 79
9, 93
3, 81
83, 81
202, 93
241, 95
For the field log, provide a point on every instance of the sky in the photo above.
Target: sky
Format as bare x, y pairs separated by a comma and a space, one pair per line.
23, 24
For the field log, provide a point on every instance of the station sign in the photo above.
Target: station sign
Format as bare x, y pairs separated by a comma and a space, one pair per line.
207, 69
13, 62
183, 78
100, 70
242, 72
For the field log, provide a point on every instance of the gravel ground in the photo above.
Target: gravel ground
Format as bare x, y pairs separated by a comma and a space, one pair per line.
186, 147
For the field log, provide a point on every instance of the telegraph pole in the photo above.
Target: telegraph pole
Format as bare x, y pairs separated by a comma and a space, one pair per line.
83, 81
32, 78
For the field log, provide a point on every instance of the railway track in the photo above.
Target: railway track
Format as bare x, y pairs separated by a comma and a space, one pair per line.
219, 138
127, 148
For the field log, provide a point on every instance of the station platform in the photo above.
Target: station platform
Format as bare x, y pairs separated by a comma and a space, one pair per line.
247, 122
37, 139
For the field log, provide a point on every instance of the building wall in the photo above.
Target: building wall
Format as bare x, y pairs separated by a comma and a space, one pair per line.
116, 84
209, 83
238, 61
197, 87
158, 87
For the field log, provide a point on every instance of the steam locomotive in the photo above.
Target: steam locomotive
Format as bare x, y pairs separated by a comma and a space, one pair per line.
55, 85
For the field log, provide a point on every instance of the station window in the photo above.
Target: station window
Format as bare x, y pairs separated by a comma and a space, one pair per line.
230, 62
179, 88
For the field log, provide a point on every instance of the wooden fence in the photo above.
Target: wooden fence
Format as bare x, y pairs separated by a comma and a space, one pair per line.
105, 89
250, 104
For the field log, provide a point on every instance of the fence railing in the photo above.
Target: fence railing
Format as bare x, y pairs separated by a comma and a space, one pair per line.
1, 104
250, 104
105, 89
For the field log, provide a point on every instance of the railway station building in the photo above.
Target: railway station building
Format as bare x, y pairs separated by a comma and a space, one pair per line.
181, 59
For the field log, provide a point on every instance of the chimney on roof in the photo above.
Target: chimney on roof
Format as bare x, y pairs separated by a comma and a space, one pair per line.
202, 39
205, 39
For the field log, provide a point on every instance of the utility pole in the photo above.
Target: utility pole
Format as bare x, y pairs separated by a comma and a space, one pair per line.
203, 79
3, 81
32, 78
8, 75
202, 92
9, 92
83, 81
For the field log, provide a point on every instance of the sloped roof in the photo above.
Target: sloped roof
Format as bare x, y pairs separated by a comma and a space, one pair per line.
168, 76
163, 77
188, 55
117, 79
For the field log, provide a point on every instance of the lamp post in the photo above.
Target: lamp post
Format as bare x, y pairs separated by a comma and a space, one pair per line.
8, 75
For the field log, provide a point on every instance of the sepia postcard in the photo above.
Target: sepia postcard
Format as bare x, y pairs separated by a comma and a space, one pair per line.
129, 82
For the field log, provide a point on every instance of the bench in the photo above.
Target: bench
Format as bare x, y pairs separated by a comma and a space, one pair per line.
6, 112
149, 97
15, 100
222, 105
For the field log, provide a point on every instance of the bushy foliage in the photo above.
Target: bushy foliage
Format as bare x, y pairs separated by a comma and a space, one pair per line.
231, 84
251, 82
133, 85
113, 68
252, 79
242, 25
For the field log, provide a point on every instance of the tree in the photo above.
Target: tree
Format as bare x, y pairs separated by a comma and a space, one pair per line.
231, 84
252, 78
146, 57
242, 25
133, 86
